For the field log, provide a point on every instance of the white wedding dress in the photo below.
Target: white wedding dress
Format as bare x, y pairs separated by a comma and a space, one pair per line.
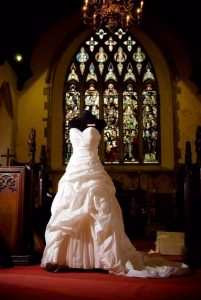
86, 227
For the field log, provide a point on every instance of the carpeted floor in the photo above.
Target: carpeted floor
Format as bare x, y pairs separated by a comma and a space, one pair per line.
30, 282
33, 283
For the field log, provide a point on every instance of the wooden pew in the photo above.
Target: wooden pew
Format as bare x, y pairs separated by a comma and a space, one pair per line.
192, 203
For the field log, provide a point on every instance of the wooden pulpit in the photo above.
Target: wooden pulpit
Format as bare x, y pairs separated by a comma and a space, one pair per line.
16, 205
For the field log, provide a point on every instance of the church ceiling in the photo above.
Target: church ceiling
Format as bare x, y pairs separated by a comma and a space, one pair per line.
22, 23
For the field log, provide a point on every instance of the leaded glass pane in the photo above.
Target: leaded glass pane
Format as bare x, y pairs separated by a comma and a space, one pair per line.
73, 75
92, 73
72, 110
148, 74
111, 132
129, 43
129, 74
92, 100
150, 124
110, 74
82, 56
130, 125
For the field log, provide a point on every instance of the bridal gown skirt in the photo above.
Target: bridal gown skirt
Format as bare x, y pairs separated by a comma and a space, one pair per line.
86, 229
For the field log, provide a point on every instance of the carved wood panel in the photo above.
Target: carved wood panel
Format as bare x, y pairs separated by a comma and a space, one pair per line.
14, 207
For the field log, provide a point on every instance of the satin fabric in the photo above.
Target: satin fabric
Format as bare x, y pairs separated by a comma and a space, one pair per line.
86, 227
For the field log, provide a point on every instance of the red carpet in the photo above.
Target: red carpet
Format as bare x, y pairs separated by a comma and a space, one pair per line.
33, 283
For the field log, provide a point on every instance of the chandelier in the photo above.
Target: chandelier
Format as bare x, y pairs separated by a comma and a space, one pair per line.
112, 13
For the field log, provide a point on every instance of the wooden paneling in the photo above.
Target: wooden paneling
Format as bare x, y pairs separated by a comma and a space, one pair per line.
16, 208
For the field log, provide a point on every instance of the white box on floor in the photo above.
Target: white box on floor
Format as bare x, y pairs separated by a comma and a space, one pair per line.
170, 243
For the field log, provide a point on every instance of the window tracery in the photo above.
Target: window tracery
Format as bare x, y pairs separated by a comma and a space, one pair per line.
115, 77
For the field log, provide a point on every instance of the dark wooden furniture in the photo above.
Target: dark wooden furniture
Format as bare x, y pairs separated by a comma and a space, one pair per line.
23, 188
133, 204
192, 202
16, 204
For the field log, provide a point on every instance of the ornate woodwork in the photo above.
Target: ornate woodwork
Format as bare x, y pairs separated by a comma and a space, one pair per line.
16, 209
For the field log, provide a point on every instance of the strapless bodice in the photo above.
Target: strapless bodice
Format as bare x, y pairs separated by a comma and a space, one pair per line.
85, 141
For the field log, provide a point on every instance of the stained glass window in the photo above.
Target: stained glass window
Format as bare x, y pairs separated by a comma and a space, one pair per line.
114, 76
130, 125
111, 116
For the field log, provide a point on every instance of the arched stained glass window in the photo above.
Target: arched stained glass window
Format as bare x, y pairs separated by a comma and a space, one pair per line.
114, 76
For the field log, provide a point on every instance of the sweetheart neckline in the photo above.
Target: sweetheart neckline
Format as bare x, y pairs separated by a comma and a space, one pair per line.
82, 131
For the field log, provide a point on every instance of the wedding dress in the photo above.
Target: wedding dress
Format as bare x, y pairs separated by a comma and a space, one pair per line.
86, 227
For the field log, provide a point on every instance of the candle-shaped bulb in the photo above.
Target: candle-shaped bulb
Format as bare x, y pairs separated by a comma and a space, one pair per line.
127, 19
